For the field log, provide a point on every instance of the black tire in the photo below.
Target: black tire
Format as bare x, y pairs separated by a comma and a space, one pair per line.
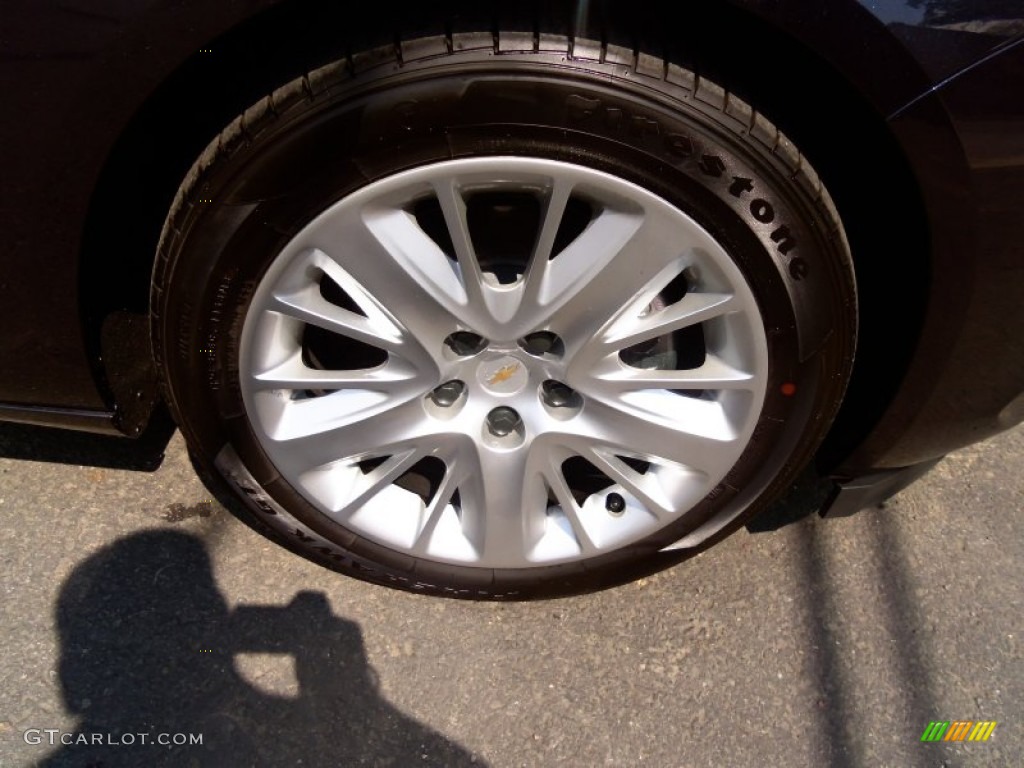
326, 135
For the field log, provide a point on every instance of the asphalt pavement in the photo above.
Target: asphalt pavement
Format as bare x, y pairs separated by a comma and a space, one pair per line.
137, 611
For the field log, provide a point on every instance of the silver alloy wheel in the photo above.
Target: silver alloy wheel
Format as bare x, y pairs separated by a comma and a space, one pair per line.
469, 408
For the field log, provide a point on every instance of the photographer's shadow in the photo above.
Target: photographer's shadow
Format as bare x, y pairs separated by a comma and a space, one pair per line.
148, 647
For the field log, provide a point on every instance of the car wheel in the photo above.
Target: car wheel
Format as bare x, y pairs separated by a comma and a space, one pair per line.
502, 326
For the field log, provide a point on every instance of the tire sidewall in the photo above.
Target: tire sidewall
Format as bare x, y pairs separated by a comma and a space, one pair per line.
263, 194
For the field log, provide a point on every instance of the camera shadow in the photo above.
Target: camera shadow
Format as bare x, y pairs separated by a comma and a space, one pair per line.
150, 646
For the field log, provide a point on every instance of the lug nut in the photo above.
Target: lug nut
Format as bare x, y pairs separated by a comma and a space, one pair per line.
446, 394
614, 503
502, 421
465, 343
558, 395
542, 343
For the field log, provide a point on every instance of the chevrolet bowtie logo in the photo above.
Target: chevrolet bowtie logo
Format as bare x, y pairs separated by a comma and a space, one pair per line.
504, 373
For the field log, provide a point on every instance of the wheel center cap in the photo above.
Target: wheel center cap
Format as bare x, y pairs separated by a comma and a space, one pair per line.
503, 376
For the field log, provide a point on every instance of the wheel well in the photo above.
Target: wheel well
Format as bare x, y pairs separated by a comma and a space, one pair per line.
801, 93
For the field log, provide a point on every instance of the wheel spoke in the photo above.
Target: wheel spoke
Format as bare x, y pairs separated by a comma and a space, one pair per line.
408, 273
563, 495
539, 264
612, 377
581, 271
453, 206
374, 311
503, 509
642, 487
490, 306
692, 309
633, 256
627, 433
306, 304
367, 486
347, 425
443, 495
391, 378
